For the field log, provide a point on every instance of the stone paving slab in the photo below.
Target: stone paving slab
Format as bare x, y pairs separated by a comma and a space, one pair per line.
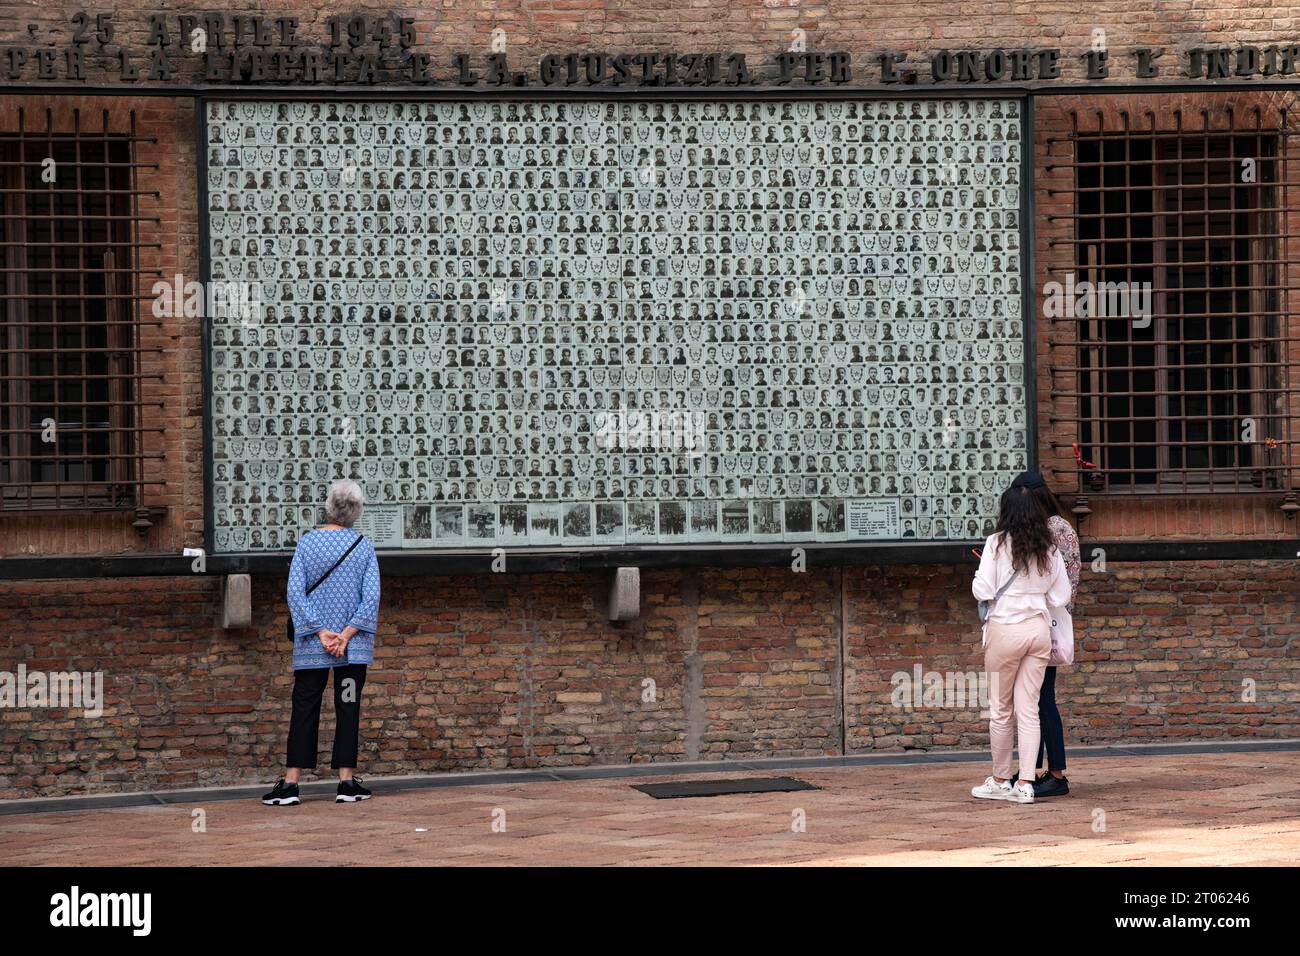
1185, 809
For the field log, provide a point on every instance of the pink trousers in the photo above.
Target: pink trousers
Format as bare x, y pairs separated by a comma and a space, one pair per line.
1015, 659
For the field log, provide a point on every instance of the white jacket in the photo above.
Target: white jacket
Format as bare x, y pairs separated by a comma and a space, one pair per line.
1030, 594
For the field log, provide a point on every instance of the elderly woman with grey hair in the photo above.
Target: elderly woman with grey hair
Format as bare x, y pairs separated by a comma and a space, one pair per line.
334, 603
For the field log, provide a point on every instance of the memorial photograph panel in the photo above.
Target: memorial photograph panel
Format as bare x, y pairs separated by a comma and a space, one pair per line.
592, 323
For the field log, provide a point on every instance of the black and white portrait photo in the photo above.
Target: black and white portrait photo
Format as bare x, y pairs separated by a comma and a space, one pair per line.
585, 323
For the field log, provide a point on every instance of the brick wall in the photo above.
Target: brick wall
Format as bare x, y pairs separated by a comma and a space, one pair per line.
535, 28
476, 674
1165, 651
471, 675
753, 27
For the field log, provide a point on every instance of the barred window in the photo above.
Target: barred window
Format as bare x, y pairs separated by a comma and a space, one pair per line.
1179, 305
71, 431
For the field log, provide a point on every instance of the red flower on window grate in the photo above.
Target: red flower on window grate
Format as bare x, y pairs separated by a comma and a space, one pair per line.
1078, 456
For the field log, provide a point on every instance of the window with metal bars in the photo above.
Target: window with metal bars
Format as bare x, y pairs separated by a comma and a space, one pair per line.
71, 434
1190, 393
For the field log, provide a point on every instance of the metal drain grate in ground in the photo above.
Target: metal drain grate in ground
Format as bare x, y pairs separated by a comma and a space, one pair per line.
718, 788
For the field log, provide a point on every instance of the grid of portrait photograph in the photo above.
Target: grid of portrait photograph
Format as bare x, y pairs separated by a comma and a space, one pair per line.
585, 323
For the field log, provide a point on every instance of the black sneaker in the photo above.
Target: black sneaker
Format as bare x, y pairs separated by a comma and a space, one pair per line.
1050, 786
350, 791
283, 795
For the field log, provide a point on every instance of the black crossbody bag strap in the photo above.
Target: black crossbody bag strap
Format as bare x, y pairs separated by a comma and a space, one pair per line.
343, 557
321, 579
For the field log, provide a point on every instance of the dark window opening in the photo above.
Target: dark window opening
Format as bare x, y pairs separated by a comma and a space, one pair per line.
1188, 394
69, 409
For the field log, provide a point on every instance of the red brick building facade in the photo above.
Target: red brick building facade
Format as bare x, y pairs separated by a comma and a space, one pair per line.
1187, 622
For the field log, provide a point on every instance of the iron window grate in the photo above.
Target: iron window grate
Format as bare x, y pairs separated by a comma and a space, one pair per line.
73, 389
1175, 373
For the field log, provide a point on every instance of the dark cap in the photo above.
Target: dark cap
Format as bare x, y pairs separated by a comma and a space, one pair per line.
1029, 479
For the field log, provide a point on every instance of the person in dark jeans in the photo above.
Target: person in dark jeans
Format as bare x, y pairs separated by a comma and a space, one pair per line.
334, 631
1053, 782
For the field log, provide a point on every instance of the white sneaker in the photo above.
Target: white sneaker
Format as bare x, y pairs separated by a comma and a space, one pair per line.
990, 789
1022, 792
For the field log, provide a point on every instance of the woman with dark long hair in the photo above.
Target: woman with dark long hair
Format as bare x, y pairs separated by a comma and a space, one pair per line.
1052, 782
1021, 575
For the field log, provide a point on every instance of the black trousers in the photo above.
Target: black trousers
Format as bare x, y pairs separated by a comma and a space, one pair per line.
1049, 719
304, 725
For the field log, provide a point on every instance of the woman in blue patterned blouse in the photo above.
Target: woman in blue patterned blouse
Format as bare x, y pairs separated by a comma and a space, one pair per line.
334, 630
